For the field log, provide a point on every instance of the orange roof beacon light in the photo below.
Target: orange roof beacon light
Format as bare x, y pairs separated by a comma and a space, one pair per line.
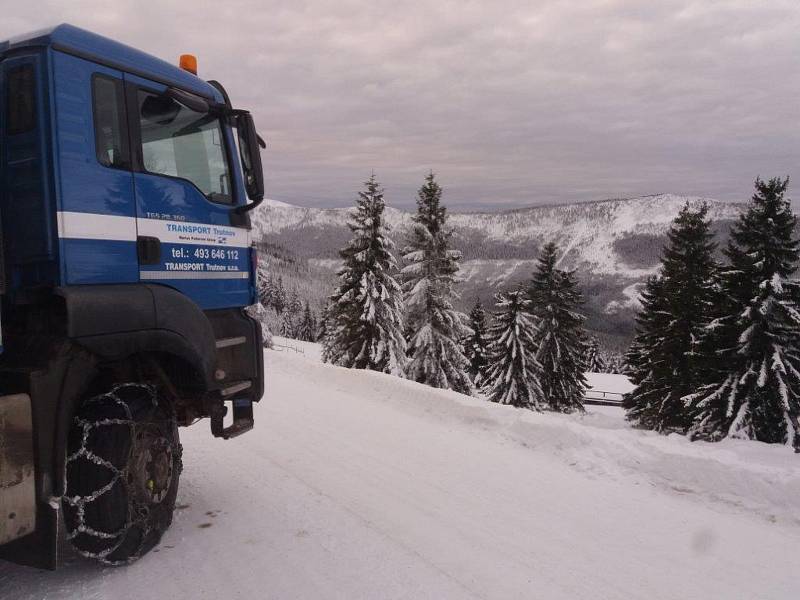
189, 63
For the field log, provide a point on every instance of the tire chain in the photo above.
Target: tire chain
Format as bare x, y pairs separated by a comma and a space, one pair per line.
138, 512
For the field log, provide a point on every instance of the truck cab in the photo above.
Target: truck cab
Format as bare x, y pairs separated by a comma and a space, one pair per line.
127, 266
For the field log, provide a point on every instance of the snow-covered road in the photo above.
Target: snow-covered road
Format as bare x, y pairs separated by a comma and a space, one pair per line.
358, 485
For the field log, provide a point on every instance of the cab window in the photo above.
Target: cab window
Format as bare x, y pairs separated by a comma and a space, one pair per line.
110, 131
20, 100
180, 142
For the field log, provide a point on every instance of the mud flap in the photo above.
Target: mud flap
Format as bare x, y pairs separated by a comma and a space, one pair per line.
17, 471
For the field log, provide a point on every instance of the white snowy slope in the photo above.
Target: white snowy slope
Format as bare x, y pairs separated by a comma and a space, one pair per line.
357, 485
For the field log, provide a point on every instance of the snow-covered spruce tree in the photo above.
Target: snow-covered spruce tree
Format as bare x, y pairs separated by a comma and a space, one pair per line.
755, 387
307, 328
560, 338
294, 306
511, 373
643, 362
614, 362
326, 328
288, 326
435, 328
475, 344
278, 298
364, 319
671, 361
595, 362
265, 285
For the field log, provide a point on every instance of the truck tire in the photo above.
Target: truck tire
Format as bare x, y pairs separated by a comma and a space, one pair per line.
123, 466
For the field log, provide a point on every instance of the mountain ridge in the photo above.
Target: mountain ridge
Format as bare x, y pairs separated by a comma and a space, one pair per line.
588, 233
612, 244
282, 204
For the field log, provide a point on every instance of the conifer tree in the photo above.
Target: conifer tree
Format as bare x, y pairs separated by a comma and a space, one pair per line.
560, 338
475, 345
644, 362
288, 326
614, 362
326, 328
279, 300
364, 321
512, 367
435, 328
307, 329
266, 286
671, 361
595, 362
294, 305
754, 390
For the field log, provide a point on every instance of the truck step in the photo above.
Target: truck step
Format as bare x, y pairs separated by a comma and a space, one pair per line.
235, 388
231, 341
242, 419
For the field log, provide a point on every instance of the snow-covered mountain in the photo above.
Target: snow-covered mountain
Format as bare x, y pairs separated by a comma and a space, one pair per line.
595, 236
614, 244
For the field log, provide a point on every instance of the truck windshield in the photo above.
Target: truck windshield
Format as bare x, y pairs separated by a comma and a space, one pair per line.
180, 142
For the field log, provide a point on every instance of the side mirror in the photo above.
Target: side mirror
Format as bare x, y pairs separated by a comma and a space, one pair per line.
251, 160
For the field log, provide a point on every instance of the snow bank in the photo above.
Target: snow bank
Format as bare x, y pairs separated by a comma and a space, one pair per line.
741, 475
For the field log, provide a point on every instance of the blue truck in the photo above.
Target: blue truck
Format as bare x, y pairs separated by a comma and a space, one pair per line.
127, 265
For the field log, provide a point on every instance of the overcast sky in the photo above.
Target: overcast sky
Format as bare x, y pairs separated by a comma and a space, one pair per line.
510, 103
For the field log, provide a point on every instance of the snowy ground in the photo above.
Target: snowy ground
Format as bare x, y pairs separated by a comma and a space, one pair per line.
358, 485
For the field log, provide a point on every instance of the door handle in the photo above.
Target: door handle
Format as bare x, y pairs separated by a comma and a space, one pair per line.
149, 250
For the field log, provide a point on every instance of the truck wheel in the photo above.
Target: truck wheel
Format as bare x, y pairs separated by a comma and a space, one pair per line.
123, 465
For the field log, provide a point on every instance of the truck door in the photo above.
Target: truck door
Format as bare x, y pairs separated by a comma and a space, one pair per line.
186, 187
96, 212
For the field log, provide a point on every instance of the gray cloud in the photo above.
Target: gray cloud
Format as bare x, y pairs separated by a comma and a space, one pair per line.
511, 103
